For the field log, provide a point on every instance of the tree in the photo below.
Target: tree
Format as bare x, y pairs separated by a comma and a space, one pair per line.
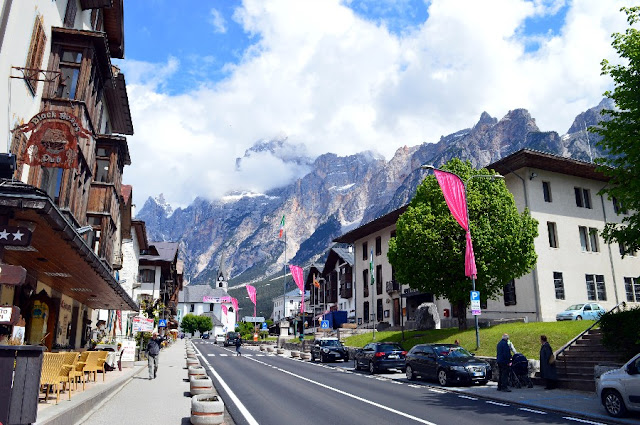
204, 323
189, 323
428, 250
620, 138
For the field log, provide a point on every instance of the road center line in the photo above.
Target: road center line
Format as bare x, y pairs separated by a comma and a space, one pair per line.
532, 411
397, 412
584, 421
467, 397
243, 410
497, 404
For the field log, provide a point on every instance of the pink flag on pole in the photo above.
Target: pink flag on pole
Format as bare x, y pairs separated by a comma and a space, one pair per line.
224, 309
252, 293
454, 195
296, 272
235, 304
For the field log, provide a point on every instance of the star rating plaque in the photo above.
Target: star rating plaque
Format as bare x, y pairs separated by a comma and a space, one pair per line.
15, 236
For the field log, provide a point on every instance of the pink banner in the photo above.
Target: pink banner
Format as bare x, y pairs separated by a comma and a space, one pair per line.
224, 309
296, 272
252, 293
235, 304
454, 195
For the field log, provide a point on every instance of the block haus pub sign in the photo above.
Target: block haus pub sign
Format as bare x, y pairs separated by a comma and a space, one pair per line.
54, 139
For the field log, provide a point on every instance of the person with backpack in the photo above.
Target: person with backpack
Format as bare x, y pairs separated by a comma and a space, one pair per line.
153, 354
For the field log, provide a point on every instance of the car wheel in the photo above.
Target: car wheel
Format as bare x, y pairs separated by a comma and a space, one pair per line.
323, 359
578, 317
372, 368
442, 377
613, 403
483, 382
409, 372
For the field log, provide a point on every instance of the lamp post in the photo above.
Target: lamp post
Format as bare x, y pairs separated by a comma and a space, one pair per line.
466, 205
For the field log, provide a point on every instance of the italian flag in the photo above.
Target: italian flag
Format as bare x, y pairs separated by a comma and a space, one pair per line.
281, 227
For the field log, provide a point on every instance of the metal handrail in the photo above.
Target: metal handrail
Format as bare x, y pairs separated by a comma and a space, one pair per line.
570, 343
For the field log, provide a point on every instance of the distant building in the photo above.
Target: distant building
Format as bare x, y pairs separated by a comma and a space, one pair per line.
290, 308
203, 300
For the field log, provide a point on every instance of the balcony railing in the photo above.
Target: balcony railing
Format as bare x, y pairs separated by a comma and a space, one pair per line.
346, 292
393, 286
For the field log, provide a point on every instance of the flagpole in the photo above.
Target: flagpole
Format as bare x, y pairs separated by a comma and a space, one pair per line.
373, 296
284, 281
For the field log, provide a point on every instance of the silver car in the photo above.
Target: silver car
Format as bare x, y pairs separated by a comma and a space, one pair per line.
619, 389
588, 311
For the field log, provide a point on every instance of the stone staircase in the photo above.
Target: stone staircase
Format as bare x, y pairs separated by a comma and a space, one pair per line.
576, 364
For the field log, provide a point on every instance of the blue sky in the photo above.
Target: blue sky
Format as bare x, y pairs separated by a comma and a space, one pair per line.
207, 79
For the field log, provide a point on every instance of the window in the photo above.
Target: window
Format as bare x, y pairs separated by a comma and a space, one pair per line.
52, 182
102, 171
70, 14
70, 61
622, 248
379, 245
553, 234
365, 283
366, 311
618, 208
589, 239
546, 191
558, 283
510, 293
596, 290
35, 55
210, 307
632, 288
379, 310
365, 248
583, 197
379, 279
147, 276
192, 308
393, 234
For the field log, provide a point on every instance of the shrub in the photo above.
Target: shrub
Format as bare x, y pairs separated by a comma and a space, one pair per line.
621, 332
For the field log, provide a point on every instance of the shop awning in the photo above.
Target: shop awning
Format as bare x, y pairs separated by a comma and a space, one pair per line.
57, 254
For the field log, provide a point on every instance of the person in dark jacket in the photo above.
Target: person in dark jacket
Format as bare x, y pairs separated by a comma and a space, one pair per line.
153, 354
238, 345
547, 366
503, 357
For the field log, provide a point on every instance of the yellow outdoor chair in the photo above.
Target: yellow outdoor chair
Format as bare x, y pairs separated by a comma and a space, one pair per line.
50, 376
69, 370
80, 368
91, 365
102, 359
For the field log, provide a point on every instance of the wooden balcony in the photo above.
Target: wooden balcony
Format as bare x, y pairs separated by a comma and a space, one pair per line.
393, 286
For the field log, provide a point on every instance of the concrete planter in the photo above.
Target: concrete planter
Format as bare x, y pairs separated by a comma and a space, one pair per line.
206, 409
263, 348
270, 349
201, 385
192, 362
295, 354
196, 371
280, 350
305, 356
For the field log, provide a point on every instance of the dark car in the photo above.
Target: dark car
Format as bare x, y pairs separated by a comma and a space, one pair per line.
205, 335
447, 363
328, 350
230, 338
377, 356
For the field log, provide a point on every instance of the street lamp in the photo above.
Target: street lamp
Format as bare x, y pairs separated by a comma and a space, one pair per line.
466, 205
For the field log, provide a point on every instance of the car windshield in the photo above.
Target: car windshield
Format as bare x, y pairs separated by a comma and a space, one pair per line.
330, 343
232, 334
451, 351
389, 347
575, 307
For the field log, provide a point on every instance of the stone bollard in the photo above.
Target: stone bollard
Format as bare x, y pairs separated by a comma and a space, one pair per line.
263, 348
295, 354
280, 350
207, 409
201, 385
270, 349
196, 371
305, 356
192, 362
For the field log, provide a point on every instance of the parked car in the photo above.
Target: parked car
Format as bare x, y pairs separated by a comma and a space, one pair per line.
219, 339
446, 363
205, 335
619, 389
377, 356
328, 350
230, 338
588, 311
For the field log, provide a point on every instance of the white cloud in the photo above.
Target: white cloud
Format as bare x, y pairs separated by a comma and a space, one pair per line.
335, 82
218, 22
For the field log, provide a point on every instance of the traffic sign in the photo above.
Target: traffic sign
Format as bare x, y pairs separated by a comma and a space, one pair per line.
264, 326
324, 324
162, 323
475, 303
475, 295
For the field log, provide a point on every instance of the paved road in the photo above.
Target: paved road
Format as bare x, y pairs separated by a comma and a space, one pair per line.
268, 389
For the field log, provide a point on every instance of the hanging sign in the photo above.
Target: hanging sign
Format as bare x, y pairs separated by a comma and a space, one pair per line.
9, 315
54, 139
142, 324
11, 275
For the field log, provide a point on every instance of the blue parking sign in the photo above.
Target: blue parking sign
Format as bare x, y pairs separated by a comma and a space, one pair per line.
264, 326
475, 295
324, 324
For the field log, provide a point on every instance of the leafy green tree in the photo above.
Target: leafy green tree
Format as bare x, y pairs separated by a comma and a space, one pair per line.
620, 136
204, 323
428, 250
189, 323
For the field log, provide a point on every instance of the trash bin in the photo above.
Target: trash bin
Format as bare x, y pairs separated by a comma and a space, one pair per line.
20, 367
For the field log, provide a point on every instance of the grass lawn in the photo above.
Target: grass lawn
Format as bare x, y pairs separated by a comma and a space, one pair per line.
524, 336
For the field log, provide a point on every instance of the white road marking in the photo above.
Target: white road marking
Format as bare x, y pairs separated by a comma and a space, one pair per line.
467, 397
223, 355
243, 410
211, 355
497, 404
389, 409
393, 381
532, 411
434, 390
584, 421
415, 386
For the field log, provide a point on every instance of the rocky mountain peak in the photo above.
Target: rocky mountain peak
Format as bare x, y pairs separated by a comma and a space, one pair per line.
485, 120
590, 117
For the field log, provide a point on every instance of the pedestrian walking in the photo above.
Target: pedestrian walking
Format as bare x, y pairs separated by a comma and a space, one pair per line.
503, 357
548, 364
238, 345
153, 354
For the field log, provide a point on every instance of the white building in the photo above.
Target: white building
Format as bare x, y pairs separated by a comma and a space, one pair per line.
203, 300
574, 264
290, 307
